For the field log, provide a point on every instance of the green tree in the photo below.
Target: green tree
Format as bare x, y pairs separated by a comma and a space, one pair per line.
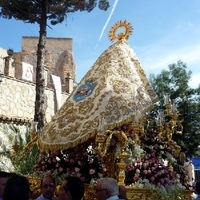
175, 82
41, 12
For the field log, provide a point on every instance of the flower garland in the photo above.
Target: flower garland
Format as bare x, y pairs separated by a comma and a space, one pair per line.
81, 161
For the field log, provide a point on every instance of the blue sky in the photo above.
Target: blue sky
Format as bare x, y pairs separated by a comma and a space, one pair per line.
165, 31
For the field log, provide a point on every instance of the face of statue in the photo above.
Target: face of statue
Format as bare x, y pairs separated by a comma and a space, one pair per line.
48, 187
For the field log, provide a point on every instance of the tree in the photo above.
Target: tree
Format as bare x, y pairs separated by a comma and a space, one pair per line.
175, 82
42, 11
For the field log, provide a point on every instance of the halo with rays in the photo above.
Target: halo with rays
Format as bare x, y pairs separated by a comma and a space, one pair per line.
128, 29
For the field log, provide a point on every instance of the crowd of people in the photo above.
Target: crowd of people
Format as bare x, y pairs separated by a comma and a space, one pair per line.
196, 195
16, 187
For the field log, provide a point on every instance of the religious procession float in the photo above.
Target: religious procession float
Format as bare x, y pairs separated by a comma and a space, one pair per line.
104, 129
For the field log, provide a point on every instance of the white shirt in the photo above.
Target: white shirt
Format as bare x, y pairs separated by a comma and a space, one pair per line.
113, 198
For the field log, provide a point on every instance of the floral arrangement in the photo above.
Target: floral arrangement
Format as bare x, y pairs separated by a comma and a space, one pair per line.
153, 163
158, 167
81, 161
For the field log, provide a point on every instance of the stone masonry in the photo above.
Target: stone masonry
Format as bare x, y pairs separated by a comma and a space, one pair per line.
59, 58
17, 96
17, 99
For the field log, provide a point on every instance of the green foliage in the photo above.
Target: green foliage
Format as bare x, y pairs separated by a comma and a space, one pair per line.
31, 11
175, 82
25, 164
22, 161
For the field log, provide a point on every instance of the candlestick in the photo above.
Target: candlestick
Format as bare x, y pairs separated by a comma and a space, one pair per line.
166, 99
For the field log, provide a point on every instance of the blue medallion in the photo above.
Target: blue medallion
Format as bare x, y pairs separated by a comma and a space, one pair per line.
84, 91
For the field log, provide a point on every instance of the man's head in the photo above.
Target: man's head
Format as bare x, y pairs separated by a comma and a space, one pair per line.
3, 179
122, 192
17, 187
48, 186
106, 187
72, 188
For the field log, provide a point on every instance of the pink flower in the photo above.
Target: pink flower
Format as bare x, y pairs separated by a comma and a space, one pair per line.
158, 184
100, 175
77, 169
92, 171
83, 179
152, 179
79, 162
60, 169
145, 172
72, 161
162, 181
57, 165
39, 160
91, 161
129, 168
136, 178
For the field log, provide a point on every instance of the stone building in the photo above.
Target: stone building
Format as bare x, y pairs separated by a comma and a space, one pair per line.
17, 88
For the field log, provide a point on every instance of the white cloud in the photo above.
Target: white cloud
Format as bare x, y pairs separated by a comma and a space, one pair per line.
159, 57
195, 81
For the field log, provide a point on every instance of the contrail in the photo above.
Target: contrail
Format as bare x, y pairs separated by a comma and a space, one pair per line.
109, 17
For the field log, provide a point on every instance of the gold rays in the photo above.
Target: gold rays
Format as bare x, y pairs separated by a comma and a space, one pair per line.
128, 29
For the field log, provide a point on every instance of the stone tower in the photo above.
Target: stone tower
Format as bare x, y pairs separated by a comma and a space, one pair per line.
59, 58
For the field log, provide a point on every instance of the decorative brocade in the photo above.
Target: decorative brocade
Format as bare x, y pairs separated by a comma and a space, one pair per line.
110, 94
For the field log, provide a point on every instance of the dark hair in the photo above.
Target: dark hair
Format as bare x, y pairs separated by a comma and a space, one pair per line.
197, 186
6, 174
48, 176
75, 186
17, 187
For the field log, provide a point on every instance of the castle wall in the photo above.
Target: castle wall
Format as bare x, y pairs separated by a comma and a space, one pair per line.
17, 95
59, 58
17, 99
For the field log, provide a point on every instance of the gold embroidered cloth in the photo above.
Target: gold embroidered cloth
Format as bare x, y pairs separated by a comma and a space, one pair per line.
114, 91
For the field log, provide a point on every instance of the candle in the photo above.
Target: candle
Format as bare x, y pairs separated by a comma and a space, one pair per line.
166, 99
174, 108
15, 139
34, 127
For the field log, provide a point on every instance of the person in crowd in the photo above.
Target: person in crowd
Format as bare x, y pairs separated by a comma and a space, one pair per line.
107, 189
72, 188
122, 192
197, 189
17, 187
48, 186
193, 183
4, 176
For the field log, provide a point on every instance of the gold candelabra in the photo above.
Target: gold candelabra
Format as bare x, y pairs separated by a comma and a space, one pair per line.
173, 126
103, 143
167, 124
